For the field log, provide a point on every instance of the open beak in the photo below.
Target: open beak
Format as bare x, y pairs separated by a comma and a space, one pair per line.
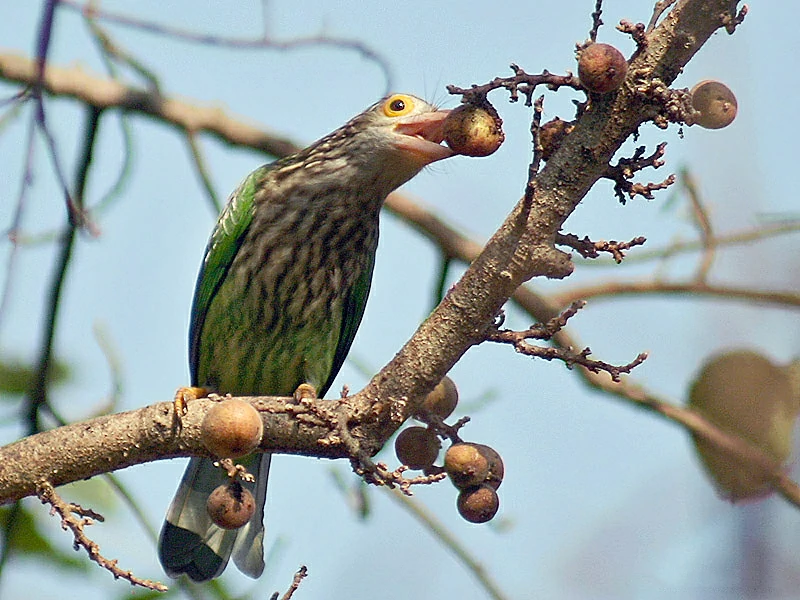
422, 135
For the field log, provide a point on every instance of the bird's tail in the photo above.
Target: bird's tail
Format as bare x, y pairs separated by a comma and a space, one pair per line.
190, 543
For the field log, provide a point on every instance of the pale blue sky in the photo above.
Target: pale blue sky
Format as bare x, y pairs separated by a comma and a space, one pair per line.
600, 500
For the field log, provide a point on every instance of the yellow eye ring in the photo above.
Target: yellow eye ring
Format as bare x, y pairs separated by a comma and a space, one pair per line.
398, 105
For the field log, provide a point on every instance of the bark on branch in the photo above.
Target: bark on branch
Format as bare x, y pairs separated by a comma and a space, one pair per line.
104, 444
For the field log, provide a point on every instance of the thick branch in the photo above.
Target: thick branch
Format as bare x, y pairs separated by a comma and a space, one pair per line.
521, 249
83, 450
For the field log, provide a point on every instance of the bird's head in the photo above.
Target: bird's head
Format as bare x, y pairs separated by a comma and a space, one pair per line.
377, 150
394, 138
412, 127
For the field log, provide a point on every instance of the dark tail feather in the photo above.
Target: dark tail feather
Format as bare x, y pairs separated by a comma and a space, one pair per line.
190, 543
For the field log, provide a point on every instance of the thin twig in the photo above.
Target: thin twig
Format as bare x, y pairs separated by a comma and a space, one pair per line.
658, 10
200, 167
446, 537
735, 238
262, 42
47, 494
519, 83
589, 249
301, 574
703, 223
111, 50
37, 395
606, 289
596, 20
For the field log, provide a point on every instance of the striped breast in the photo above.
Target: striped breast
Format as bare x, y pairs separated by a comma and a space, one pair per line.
276, 319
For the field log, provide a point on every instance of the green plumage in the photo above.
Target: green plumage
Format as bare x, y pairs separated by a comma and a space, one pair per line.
281, 292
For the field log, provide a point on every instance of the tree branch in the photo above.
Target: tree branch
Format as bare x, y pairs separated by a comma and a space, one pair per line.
695, 288
104, 93
82, 450
522, 248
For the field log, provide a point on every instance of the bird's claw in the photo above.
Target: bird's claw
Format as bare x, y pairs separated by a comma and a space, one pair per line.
183, 396
305, 391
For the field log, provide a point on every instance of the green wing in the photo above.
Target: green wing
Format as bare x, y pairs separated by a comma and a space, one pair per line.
354, 306
225, 241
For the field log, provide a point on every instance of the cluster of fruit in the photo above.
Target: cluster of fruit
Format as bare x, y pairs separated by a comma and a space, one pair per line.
475, 469
602, 69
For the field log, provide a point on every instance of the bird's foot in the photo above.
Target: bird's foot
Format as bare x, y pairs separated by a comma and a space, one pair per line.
184, 395
305, 391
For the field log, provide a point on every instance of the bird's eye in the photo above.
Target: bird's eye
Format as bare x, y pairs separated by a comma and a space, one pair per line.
398, 105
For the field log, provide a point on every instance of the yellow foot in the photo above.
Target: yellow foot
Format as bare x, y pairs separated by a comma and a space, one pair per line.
184, 395
305, 391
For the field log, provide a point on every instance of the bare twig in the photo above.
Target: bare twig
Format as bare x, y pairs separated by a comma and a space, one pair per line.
301, 574
658, 10
533, 168
520, 83
37, 395
622, 173
735, 238
596, 20
606, 289
111, 50
730, 23
546, 331
636, 31
589, 249
446, 537
262, 42
703, 222
200, 167
66, 511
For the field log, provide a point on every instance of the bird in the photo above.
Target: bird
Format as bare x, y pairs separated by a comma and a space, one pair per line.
280, 294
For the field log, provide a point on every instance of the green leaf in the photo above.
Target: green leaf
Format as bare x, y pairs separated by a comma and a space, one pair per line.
16, 376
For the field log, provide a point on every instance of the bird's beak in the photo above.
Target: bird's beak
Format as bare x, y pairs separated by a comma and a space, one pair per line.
422, 136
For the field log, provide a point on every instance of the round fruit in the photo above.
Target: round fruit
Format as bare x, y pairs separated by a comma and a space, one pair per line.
442, 400
466, 465
417, 447
231, 505
551, 134
478, 504
232, 428
745, 394
474, 129
716, 104
601, 68
496, 468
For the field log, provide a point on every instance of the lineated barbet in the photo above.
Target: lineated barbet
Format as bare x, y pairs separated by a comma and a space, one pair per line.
281, 293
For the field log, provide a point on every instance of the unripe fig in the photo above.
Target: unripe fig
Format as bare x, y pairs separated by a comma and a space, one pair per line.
745, 394
232, 428
466, 465
442, 400
417, 447
231, 505
474, 129
601, 68
716, 104
478, 504
496, 468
